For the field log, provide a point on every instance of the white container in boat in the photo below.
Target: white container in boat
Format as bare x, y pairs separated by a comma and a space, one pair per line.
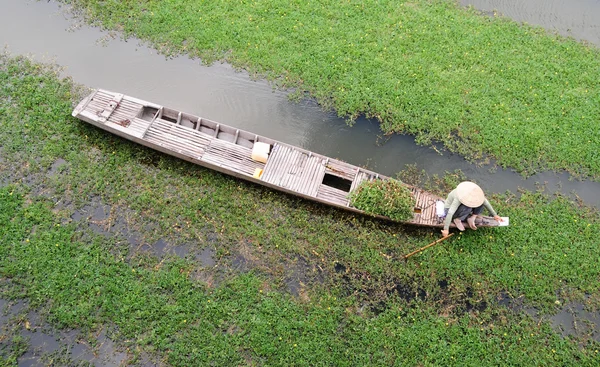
439, 209
260, 156
261, 147
260, 152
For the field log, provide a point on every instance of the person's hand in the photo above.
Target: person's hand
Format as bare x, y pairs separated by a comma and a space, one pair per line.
498, 218
445, 232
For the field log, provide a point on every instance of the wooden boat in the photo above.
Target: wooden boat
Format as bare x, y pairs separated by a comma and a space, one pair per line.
234, 151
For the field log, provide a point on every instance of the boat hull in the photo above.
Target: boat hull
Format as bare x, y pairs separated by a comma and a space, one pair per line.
235, 152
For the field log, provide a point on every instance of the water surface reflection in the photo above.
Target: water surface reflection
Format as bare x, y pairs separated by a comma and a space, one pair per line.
579, 19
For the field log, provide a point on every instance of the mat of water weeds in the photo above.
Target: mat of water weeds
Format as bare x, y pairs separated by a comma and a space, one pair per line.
483, 86
317, 287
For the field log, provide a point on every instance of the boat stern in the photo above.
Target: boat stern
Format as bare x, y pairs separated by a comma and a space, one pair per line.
81, 105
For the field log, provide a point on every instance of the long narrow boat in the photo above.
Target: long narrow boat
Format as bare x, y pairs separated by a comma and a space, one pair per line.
242, 154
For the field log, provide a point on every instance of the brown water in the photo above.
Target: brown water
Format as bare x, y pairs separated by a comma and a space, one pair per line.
579, 19
101, 59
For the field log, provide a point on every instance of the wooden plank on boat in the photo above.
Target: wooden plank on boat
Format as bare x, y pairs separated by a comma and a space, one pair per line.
174, 145
341, 169
178, 138
314, 176
227, 155
293, 170
332, 195
358, 179
182, 133
300, 175
307, 172
134, 127
83, 105
110, 107
308, 168
276, 164
429, 213
283, 169
271, 163
317, 178
290, 170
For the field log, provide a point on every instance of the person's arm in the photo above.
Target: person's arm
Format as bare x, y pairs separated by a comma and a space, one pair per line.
488, 206
453, 207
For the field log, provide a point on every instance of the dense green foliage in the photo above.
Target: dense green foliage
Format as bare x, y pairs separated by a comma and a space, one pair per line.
483, 86
357, 303
389, 198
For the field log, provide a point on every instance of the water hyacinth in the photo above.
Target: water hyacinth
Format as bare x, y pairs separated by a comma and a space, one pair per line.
389, 198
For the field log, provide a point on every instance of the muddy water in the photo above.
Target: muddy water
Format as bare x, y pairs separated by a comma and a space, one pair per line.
100, 59
579, 19
47, 346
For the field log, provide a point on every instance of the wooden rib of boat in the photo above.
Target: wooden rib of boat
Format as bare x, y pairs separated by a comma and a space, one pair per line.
234, 151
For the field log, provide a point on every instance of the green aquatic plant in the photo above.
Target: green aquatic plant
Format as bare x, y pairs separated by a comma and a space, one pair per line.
481, 86
389, 198
356, 303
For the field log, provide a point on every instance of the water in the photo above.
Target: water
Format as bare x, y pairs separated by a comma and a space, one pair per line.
45, 344
579, 19
100, 59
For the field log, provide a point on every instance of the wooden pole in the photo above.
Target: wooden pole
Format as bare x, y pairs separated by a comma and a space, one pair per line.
428, 246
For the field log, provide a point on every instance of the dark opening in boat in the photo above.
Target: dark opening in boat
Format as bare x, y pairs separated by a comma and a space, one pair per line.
148, 113
337, 182
188, 121
170, 115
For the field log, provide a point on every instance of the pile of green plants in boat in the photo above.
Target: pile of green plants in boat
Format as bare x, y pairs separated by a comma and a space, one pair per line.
389, 198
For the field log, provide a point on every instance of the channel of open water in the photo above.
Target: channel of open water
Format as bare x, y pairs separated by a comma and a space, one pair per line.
100, 59
579, 19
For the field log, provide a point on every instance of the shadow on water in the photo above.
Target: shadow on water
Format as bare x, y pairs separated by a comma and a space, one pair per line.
89, 55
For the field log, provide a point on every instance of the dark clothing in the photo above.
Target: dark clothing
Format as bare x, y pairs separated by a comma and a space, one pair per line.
463, 212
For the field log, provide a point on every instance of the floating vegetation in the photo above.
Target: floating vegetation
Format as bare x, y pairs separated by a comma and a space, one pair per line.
485, 87
389, 198
356, 304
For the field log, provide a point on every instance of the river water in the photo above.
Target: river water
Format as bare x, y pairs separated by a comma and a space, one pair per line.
579, 19
102, 59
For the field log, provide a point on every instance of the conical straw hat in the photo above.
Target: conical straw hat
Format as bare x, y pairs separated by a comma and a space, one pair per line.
470, 194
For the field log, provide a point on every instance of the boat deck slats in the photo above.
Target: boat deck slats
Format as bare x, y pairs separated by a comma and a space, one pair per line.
359, 178
124, 116
426, 203
277, 159
180, 133
294, 170
177, 138
341, 169
105, 97
101, 99
231, 156
135, 127
332, 195
125, 109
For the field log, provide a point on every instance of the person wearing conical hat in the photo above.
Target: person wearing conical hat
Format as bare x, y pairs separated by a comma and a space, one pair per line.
466, 201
